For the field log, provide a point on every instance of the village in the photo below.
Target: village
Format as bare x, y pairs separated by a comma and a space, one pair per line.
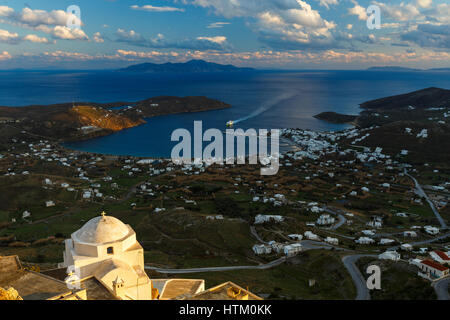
330, 194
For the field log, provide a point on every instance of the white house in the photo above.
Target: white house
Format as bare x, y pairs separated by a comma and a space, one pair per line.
87, 195
432, 270
26, 214
266, 218
292, 249
375, 224
325, 219
406, 247
277, 247
411, 234
364, 240
389, 255
431, 230
333, 241
368, 233
297, 237
386, 241
49, 203
440, 256
262, 249
311, 236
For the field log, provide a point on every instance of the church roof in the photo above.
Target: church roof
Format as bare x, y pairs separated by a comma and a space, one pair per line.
103, 229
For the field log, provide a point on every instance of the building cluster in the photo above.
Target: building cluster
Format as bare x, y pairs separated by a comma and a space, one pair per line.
289, 250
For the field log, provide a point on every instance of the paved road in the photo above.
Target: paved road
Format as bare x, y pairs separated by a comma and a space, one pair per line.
307, 245
256, 235
418, 243
422, 193
362, 293
441, 287
216, 269
341, 218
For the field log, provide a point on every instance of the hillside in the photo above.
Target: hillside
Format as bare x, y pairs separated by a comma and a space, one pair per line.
86, 120
426, 98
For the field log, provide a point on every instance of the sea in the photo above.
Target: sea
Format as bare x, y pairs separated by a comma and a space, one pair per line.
259, 100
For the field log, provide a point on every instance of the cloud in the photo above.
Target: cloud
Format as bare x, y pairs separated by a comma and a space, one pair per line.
401, 12
36, 39
98, 37
288, 24
151, 8
5, 12
424, 3
327, 3
5, 55
429, 35
200, 43
217, 25
8, 37
440, 13
66, 33
218, 39
14, 38
51, 22
358, 11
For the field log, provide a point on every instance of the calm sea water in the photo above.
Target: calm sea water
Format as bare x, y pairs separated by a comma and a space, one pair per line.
261, 99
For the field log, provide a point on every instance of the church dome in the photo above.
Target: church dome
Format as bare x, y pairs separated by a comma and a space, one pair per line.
102, 229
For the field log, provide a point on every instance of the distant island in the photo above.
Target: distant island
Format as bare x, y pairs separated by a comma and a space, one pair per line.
403, 69
192, 66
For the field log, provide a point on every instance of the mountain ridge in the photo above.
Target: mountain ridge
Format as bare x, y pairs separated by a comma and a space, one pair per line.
189, 66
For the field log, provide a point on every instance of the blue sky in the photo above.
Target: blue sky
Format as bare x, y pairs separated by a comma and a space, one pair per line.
288, 34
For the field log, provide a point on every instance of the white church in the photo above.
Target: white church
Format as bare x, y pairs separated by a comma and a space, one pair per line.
107, 249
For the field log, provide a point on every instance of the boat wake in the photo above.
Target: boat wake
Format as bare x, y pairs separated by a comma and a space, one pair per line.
266, 106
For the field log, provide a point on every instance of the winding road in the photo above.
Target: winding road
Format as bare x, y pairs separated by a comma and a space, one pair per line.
441, 287
216, 269
362, 292
422, 193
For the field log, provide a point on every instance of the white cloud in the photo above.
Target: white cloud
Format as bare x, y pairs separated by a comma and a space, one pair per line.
5, 12
327, 3
151, 8
440, 13
199, 43
218, 39
5, 55
65, 33
424, 3
217, 25
51, 22
98, 37
358, 11
36, 39
8, 37
129, 35
401, 12
279, 23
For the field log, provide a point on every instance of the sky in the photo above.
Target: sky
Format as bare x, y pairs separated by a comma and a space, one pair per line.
267, 34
